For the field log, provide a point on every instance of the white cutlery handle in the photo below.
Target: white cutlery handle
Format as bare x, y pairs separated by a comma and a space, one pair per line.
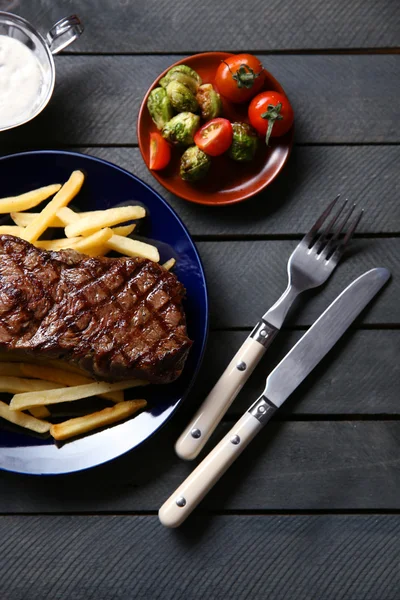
200, 428
179, 506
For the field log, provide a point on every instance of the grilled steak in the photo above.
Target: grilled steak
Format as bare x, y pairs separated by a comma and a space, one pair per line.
117, 318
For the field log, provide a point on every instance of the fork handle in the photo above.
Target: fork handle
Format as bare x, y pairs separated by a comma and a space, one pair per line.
200, 428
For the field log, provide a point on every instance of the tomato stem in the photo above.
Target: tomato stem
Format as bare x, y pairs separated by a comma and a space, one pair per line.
244, 75
272, 114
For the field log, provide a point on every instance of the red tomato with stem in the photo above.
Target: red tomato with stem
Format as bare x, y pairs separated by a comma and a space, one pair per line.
240, 77
271, 114
215, 137
160, 152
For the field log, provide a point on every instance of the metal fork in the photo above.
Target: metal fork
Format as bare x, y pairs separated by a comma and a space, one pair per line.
309, 266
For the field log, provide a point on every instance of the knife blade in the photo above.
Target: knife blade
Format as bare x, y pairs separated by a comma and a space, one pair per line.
280, 384
323, 335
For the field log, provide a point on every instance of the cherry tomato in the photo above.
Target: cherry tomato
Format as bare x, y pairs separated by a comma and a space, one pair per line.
160, 152
240, 77
215, 137
271, 114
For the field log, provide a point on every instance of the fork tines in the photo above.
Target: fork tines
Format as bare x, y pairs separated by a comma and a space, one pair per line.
329, 239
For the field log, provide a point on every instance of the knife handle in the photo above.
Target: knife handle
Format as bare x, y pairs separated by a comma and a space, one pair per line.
188, 495
202, 425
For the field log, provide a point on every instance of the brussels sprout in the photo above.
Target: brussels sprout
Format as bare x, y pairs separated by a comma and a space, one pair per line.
194, 164
181, 129
159, 107
181, 97
244, 143
209, 101
183, 74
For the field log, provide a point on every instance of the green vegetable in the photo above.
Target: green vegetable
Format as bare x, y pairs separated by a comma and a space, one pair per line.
209, 101
183, 74
244, 143
181, 97
159, 107
194, 164
181, 129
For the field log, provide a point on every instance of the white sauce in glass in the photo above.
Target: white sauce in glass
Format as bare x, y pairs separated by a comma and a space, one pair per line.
21, 80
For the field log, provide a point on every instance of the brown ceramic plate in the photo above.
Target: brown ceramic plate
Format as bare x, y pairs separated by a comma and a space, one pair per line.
227, 181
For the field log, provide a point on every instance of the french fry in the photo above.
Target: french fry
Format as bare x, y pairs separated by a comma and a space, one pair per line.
68, 191
11, 369
97, 251
28, 400
107, 416
91, 241
40, 412
102, 250
58, 244
32, 371
104, 218
63, 377
169, 264
62, 219
18, 385
130, 247
67, 216
14, 357
11, 230
92, 245
124, 230
58, 363
20, 418
23, 219
50, 373
28, 200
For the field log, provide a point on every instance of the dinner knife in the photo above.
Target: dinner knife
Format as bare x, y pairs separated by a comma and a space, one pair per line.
280, 384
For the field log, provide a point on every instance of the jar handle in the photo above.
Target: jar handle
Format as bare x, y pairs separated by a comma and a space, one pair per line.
63, 33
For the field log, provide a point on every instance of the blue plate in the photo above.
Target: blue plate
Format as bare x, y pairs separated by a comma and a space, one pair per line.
107, 185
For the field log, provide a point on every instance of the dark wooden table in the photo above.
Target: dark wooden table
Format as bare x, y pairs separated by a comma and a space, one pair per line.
311, 510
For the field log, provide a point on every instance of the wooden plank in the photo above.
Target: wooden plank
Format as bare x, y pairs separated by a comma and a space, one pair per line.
162, 26
314, 175
246, 278
334, 557
97, 98
305, 465
370, 387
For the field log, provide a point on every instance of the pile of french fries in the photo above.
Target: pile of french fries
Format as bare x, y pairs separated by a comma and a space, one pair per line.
35, 385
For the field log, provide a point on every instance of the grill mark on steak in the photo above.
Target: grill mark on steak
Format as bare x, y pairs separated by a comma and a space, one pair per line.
157, 285
84, 291
35, 283
136, 307
114, 298
117, 318
162, 323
